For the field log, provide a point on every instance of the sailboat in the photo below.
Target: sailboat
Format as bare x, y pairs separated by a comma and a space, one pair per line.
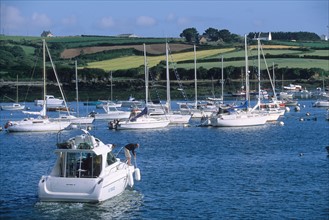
42, 123
69, 117
14, 106
196, 109
174, 117
143, 120
248, 117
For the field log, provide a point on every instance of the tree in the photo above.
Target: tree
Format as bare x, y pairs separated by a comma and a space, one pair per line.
191, 35
212, 34
225, 35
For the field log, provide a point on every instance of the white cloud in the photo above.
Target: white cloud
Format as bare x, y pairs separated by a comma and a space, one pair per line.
106, 22
41, 20
145, 21
11, 17
183, 21
69, 21
171, 17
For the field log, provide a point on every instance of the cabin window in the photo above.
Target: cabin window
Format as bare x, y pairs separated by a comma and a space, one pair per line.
83, 165
110, 158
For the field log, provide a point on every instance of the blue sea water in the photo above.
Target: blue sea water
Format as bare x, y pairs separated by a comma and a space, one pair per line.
263, 172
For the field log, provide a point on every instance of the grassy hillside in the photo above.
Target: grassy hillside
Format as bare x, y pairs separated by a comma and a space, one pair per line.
136, 61
98, 55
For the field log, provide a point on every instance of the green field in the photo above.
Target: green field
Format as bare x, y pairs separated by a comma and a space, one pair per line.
280, 63
136, 61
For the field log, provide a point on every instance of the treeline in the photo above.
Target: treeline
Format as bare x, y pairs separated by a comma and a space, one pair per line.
192, 35
66, 75
290, 36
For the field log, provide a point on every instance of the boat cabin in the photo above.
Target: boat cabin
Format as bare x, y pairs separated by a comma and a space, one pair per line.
82, 157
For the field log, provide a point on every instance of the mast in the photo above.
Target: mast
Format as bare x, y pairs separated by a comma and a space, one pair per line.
44, 108
146, 77
17, 88
76, 86
247, 70
222, 81
168, 80
258, 43
274, 95
111, 86
195, 80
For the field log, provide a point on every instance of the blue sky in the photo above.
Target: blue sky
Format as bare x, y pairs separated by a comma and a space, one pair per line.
160, 18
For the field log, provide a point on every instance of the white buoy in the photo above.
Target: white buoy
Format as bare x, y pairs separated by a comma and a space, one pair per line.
287, 109
281, 123
137, 174
301, 119
297, 108
130, 179
304, 106
308, 114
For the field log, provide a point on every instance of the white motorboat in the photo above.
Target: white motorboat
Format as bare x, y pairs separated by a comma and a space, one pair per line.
13, 107
321, 103
111, 113
86, 170
51, 102
293, 87
131, 102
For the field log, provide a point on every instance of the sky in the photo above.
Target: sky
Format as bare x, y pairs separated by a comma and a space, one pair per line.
161, 18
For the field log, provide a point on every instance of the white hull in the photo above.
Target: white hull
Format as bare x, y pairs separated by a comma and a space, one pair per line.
13, 107
239, 120
174, 118
143, 123
129, 104
74, 120
36, 125
91, 190
112, 115
322, 103
51, 102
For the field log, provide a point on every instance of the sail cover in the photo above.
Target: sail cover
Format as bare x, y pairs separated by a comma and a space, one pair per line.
144, 112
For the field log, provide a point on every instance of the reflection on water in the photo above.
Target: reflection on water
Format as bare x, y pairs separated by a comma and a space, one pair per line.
119, 207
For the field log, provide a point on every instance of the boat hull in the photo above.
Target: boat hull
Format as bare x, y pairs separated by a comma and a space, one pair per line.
321, 104
114, 116
14, 107
91, 190
239, 120
36, 126
142, 124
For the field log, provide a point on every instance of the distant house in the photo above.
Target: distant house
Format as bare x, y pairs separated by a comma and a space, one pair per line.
324, 37
127, 35
46, 34
264, 36
203, 40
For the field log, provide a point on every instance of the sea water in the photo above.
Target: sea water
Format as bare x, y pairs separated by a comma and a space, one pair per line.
188, 172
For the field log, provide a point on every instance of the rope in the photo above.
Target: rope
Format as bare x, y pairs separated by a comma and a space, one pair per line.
177, 75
